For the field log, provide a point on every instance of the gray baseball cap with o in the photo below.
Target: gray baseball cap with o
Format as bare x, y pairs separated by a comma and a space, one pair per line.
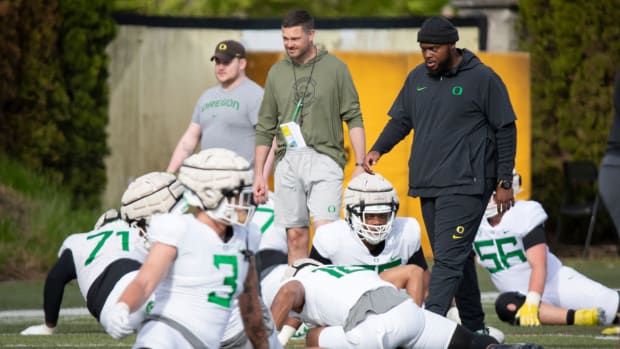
227, 50
438, 30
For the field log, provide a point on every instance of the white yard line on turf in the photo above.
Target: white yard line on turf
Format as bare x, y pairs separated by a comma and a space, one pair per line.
39, 313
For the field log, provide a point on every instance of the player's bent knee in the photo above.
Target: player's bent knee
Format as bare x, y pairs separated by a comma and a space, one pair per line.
507, 304
331, 337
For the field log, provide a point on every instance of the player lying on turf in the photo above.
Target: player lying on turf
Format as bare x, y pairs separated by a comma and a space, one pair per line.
535, 287
352, 307
107, 258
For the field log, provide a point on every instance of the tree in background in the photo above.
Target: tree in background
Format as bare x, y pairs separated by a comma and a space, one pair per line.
575, 51
86, 29
277, 8
53, 92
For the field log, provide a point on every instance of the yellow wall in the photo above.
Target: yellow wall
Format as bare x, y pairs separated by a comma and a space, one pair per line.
379, 77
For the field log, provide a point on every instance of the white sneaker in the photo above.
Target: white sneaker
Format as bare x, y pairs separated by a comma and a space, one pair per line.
453, 314
301, 331
38, 330
493, 332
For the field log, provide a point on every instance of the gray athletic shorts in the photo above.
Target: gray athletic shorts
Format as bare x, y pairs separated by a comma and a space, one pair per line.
307, 183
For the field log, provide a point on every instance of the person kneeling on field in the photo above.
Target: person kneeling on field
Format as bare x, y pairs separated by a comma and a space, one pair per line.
351, 307
107, 258
200, 262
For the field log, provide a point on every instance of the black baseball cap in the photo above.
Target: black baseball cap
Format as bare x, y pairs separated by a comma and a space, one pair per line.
227, 50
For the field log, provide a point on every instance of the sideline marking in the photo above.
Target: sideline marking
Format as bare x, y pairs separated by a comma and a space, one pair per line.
39, 313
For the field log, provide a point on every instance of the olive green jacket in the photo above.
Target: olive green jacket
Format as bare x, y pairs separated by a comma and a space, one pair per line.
330, 98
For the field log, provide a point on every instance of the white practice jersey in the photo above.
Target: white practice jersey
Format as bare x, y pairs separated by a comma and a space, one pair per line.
235, 323
500, 249
96, 250
337, 242
200, 288
331, 291
270, 284
274, 237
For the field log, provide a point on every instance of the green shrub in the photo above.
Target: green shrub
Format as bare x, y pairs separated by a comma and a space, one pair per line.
53, 90
575, 51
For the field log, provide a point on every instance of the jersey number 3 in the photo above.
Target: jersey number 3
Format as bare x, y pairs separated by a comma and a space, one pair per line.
230, 280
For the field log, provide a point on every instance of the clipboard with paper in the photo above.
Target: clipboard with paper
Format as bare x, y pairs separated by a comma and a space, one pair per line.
292, 131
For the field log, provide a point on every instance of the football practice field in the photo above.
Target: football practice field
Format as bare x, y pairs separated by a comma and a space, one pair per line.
21, 304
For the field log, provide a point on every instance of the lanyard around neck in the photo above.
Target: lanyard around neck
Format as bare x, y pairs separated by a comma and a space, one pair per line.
300, 102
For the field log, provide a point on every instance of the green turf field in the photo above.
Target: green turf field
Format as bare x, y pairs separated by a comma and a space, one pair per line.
84, 332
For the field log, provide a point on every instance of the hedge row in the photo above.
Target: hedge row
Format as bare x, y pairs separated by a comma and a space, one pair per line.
53, 92
575, 53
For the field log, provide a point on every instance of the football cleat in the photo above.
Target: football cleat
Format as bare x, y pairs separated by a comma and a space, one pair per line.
493, 332
301, 331
453, 314
611, 331
589, 317
38, 330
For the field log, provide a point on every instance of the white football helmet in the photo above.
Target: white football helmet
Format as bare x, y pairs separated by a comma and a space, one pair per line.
491, 209
219, 181
370, 194
154, 192
107, 217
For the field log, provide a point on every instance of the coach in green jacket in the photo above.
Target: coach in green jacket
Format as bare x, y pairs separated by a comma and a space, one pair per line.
308, 95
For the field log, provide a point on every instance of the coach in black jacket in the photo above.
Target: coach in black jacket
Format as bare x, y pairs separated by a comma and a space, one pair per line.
463, 151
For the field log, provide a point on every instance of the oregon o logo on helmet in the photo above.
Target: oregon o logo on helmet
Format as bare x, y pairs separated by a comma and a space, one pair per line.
457, 90
331, 208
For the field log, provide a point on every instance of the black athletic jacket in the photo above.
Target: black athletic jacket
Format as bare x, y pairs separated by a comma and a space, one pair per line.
464, 128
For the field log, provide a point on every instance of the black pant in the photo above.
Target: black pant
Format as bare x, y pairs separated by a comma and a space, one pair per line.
452, 222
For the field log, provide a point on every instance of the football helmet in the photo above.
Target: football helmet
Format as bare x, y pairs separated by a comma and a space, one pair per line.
369, 194
154, 192
491, 209
108, 216
219, 181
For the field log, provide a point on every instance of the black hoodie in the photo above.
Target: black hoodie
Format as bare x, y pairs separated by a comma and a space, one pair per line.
464, 128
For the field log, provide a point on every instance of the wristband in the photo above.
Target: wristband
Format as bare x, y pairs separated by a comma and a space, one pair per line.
360, 164
532, 298
286, 333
